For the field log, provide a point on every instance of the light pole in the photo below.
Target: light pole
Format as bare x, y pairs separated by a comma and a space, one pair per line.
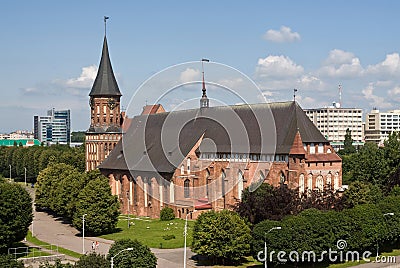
83, 234
377, 242
265, 244
129, 200
25, 175
112, 258
10, 172
185, 233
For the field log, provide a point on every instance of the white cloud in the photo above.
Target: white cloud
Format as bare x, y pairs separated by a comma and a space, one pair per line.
374, 100
190, 75
338, 57
394, 91
85, 80
284, 35
387, 68
341, 64
278, 67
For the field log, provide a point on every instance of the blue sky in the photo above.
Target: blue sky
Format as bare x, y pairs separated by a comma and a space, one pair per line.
49, 50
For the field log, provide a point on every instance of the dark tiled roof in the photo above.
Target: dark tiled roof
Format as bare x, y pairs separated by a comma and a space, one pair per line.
105, 83
258, 128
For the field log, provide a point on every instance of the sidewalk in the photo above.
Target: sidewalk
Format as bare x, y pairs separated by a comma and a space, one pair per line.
53, 230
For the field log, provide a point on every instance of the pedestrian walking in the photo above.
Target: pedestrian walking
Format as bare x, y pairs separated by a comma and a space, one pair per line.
97, 245
93, 246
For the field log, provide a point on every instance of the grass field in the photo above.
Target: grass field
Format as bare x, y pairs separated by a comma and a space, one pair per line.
21, 250
153, 232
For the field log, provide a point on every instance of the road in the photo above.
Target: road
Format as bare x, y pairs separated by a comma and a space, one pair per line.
55, 231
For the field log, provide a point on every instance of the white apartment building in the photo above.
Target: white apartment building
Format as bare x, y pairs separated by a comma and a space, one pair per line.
379, 125
333, 121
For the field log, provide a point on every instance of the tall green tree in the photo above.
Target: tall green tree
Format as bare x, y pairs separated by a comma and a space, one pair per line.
348, 147
100, 206
48, 182
360, 192
15, 213
140, 256
223, 236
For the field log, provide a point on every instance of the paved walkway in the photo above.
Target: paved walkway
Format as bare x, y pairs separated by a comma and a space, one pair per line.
54, 231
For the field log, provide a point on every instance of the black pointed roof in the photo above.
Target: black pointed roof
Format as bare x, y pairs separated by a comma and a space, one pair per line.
105, 83
278, 122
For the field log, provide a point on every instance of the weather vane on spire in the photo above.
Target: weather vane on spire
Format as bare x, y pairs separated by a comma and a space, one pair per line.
294, 94
105, 25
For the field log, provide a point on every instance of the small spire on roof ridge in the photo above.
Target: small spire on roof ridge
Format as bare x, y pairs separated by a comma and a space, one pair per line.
204, 101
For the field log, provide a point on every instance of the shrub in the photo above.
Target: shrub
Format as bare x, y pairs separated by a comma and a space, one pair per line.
168, 237
167, 214
92, 260
140, 256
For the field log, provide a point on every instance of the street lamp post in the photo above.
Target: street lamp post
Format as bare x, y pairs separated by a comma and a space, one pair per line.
10, 172
377, 242
265, 244
185, 233
25, 175
129, 200
83, 234
112, 258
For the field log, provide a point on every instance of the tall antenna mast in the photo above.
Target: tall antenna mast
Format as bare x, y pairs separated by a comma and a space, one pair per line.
340, 95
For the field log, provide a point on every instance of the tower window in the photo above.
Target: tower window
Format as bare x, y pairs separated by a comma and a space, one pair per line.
186, 185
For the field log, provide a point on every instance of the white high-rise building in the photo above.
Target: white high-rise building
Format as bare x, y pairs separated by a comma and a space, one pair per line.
53, 128
333, 122
379, 125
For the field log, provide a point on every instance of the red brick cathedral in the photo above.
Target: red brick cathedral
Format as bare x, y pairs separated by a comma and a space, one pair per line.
202, 159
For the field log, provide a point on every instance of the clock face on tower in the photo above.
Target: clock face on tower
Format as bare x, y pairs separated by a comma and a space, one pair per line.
111, 104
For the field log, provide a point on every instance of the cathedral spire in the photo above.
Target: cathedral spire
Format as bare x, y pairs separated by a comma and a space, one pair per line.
105, 83
204, 101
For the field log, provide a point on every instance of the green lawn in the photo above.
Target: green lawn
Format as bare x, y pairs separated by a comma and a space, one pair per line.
21, 250
151, 232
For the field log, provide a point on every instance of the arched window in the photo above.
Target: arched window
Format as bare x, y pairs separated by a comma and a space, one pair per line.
320, 183
223, 177
301, 183
182, 169
188, 165
320, 148
329, 180
312, 148
171, 192
336, 181
207, 181
309, 182
186, 185
240, 184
